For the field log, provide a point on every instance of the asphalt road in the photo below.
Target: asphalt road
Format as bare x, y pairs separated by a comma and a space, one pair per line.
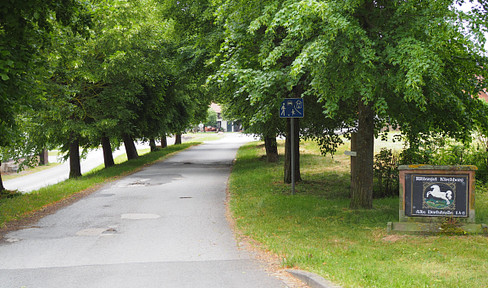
56, 174
164, 226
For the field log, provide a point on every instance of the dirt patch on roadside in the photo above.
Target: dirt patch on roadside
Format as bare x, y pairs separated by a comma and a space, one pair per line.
394, 238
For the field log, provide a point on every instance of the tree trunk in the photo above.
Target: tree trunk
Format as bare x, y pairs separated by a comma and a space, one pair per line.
353, 163
177, 139
108, 157
152, 144
287, 176
74, 158
164, 142
130, 147
1, 182
44, 157
362, 194
271, 149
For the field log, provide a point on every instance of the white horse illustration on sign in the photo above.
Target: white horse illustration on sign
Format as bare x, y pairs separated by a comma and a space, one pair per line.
437, 193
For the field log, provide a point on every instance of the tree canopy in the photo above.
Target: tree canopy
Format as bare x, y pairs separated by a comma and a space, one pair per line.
124, 70
25, 31
127, 76
369, 64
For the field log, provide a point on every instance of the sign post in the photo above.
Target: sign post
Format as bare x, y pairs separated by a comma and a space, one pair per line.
292, 108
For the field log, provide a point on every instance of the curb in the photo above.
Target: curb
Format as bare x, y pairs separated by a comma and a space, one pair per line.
311, 279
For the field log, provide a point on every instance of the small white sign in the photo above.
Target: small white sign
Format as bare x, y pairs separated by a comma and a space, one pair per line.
350, 153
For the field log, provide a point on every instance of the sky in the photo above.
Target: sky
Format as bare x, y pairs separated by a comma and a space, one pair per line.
467, 7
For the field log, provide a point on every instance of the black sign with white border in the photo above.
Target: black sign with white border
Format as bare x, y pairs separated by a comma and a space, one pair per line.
428, 195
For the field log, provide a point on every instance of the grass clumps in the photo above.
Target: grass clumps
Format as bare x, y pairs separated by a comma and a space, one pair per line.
6, 194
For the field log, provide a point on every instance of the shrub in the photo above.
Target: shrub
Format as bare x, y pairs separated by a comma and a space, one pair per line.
386, 174
433, 150
436, 151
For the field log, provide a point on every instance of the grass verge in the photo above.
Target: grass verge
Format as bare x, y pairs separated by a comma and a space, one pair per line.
316, 231
23, 205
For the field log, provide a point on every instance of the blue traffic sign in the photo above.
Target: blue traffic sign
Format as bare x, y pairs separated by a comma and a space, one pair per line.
291, 108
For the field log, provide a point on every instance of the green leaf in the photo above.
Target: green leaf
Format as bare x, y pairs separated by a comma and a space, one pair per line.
4, 76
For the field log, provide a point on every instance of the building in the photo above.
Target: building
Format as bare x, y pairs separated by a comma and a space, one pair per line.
224, 125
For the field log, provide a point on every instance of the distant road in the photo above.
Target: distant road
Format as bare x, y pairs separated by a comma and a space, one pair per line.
35, 181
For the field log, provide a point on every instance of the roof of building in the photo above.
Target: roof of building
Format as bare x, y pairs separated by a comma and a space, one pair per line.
216, 107
483, 95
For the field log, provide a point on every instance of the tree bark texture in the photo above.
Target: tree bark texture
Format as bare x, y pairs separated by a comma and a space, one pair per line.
108, 157
44, 157
287, 176
353, 163
74, 158
152, 144
130, 147
177, 139
362, 183
271, 149
1, 182
164, 142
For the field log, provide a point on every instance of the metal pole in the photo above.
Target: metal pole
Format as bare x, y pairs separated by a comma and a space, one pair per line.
292, 126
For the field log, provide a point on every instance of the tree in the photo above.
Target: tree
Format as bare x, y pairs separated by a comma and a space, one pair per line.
25, 32
250, 94
211, 118
132, 41
196, 42
61, 114
113, 83
253, 87
370, 64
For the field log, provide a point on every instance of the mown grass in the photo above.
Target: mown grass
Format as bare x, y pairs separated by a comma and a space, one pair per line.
23, 205
316, 231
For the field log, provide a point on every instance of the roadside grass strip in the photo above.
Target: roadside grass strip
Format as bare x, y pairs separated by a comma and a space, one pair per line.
23, 205
316, 231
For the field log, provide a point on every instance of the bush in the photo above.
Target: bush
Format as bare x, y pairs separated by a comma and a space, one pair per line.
386, 174
439, 152
429, 150
211, 118
422, 150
